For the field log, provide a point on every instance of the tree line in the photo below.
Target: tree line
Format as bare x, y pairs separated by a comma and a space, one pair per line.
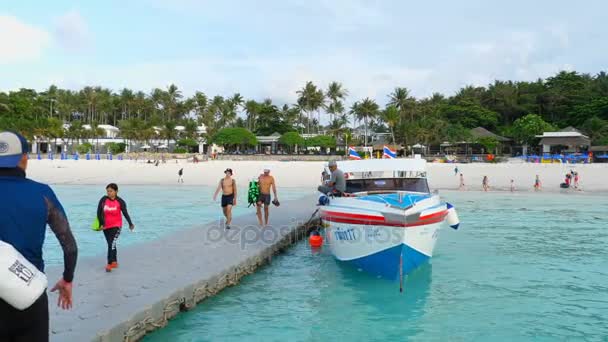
517, 109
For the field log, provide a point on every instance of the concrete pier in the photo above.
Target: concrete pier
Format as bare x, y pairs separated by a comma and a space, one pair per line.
157, 280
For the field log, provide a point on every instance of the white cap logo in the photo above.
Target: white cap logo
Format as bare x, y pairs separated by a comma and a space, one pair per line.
3, 147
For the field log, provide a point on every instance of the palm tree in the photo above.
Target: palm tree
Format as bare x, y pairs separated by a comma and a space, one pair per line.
200, 101
252, 108
191, 129
172, 101
401, 99
169, 131
390, 115
366, 110
96, 133
126, 100
310, 99
336, 94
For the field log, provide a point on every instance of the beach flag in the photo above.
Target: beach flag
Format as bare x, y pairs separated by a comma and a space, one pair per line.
388, 153
352, 154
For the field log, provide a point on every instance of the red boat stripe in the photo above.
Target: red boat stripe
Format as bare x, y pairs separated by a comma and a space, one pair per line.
436, 219
353, 216
439, 213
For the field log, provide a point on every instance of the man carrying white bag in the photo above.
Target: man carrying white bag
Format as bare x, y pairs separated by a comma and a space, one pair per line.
25, 210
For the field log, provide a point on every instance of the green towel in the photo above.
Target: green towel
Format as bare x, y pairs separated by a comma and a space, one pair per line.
253, 193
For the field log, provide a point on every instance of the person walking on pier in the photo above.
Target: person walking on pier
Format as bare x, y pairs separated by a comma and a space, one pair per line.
24, 216
266, 182
228, 187
110, 210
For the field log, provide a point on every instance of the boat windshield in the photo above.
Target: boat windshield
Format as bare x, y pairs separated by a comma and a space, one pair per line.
387, 185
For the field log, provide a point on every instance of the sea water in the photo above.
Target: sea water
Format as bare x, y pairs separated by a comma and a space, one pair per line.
155, 211
523, 267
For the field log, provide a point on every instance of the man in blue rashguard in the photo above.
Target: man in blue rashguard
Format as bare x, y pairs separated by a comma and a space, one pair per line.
25, 211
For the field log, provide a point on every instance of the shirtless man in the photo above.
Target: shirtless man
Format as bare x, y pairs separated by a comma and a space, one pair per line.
266, 181
228, 187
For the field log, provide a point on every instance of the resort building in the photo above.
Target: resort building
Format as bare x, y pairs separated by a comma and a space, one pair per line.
568, 140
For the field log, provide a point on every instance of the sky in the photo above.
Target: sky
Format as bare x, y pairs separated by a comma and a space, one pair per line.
271, 48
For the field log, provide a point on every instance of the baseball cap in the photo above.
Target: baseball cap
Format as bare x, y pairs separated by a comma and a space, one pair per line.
332, 163
12, 148
228, 170
266, 168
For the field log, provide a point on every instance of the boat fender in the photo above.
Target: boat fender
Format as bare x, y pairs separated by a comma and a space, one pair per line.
315, 239
452, 217
21, 283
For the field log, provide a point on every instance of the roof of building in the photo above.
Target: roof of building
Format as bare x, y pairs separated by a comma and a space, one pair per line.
568, 132
603, 148
480, 132
579, 140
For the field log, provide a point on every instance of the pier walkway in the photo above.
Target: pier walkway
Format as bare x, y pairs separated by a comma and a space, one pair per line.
156, 280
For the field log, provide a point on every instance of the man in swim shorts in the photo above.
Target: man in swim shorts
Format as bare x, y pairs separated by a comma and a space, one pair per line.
266, 182
228, 187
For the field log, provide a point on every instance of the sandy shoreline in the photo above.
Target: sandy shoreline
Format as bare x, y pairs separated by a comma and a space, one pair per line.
593, 177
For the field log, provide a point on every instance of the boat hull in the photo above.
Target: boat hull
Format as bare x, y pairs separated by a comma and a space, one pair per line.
379, 250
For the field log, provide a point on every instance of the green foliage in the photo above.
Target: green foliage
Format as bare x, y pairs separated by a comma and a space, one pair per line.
596, 129
235, 136
116, 148
291, 139
566, 98
180, 150
489, 143
84, 148
456, 133
526, 128
323, 141
470, 115
187, 142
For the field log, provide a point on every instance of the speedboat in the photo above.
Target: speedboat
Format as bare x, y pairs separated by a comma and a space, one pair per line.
387, 221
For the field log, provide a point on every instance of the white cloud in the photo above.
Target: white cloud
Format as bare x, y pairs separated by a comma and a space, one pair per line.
20, 42
72, 31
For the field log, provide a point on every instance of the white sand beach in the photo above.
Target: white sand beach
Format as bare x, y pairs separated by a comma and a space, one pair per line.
593, 177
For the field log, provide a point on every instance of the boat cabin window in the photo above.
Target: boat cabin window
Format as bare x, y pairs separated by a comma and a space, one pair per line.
387, 184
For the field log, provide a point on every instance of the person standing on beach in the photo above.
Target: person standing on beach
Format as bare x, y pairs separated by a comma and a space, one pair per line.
576, 180
110, 210
266, 182
461, 186
228, 187
456, 170
24, 216
484, 183
512, 186
537, 184
180, 175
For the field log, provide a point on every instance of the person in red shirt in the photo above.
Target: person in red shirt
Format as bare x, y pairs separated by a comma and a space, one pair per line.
110, 210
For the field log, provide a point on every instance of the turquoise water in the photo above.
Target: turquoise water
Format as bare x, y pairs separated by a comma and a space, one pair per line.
523, 267
155, 210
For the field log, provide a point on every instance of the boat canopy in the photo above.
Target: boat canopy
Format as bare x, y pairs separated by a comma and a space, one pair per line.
383, 165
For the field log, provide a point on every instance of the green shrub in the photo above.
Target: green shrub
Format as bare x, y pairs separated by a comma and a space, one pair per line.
84, 148
116, 148
180, 150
